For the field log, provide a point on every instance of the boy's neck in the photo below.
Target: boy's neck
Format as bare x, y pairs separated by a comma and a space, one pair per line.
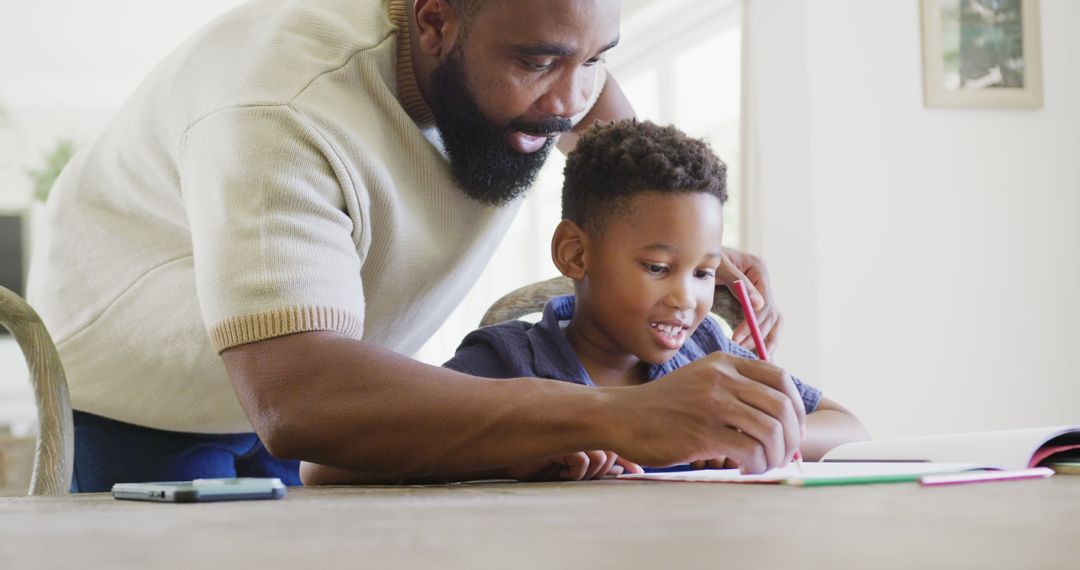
605, 364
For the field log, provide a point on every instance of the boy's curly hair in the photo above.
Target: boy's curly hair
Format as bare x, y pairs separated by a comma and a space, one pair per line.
613, 162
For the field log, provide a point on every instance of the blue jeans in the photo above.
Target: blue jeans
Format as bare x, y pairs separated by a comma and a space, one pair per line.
108, 451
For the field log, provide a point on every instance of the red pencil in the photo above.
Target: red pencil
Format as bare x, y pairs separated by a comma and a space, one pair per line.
751, 320
755, 331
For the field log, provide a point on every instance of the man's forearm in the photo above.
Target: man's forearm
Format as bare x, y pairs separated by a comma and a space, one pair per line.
366, 409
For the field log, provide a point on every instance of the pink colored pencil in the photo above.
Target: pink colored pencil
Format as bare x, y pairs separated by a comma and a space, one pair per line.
751, 320
984, 476
755, 331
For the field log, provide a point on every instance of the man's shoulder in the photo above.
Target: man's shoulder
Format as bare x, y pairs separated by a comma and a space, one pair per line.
269, 52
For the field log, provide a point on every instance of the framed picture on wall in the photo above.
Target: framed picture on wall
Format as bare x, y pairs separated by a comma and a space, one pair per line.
981, 53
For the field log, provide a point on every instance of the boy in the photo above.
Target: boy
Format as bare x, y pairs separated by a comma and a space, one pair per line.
641, 239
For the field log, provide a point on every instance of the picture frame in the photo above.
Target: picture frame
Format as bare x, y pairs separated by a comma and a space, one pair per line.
981, 53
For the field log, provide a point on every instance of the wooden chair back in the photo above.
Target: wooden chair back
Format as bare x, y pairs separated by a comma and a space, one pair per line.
53, 457
531, 299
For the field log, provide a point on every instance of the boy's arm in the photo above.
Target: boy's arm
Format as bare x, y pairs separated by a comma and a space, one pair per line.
829, 426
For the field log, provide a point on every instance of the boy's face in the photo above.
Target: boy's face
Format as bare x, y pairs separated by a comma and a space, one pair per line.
650, 277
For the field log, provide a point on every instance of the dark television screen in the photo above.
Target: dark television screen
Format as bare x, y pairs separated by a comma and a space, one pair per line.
11, 253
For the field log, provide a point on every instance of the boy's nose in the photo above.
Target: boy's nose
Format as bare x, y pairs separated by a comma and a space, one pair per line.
681, 297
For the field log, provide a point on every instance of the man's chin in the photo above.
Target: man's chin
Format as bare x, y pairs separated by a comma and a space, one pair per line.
495, 168
499, 181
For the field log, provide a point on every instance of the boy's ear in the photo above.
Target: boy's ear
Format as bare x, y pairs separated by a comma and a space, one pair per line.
437, 27
568, 249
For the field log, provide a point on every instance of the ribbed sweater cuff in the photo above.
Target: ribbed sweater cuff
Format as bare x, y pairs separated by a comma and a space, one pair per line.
280, 322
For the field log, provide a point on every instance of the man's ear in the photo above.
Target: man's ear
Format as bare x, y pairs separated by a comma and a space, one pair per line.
568, 246
437, 27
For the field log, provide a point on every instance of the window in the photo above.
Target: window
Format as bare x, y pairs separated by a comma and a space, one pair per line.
689, 75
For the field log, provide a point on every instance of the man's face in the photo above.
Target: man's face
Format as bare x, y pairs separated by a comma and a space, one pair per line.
651, 276
511, 85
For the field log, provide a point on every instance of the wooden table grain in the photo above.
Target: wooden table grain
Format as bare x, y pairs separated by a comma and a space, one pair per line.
589, 525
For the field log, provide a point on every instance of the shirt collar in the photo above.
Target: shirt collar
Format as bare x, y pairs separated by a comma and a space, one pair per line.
408, 91
562, 362
553, 356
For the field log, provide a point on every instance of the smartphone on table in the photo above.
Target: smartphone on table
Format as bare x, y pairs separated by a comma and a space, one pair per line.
202, 490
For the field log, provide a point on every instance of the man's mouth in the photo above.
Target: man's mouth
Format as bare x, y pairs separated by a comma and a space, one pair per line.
527, 143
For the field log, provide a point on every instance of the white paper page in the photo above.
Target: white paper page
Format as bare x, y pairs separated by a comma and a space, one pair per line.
1011, 449
810, 471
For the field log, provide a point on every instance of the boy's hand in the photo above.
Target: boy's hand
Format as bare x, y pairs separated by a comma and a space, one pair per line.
578, 466
737, 265
746, 411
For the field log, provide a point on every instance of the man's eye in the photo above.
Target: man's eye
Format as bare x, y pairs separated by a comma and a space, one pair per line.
654, 268
595, 61
535, 66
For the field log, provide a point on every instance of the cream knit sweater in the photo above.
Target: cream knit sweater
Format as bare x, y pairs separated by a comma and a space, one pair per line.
275, 174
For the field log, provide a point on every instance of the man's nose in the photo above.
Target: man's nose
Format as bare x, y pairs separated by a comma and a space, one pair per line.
568, 93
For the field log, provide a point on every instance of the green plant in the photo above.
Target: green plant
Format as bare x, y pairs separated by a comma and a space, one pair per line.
55, 161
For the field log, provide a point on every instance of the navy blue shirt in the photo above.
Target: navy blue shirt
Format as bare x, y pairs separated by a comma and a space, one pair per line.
515, 349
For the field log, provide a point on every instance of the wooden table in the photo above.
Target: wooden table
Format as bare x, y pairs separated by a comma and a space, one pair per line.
601, 524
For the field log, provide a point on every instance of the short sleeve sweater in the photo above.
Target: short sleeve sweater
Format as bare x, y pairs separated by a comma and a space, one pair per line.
278, 173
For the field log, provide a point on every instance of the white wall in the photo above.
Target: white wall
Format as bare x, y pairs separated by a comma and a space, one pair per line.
933, 252
67, 66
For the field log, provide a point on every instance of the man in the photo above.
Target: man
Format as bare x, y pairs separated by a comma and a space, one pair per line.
306, 189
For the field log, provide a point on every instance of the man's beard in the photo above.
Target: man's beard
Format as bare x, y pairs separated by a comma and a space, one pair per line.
488, 169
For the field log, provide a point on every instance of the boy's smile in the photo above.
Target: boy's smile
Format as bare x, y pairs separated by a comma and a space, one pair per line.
649, 279
671, 334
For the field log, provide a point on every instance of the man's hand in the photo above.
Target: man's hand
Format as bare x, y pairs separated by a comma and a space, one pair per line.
578, 466
737, 265
745, 411
714, 463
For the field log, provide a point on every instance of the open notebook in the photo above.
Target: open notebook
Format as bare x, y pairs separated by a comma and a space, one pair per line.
909, 459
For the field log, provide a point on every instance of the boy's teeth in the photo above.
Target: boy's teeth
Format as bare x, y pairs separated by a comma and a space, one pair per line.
669, 330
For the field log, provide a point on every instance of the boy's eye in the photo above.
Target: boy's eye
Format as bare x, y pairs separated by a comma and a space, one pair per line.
705, 274
654, 268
